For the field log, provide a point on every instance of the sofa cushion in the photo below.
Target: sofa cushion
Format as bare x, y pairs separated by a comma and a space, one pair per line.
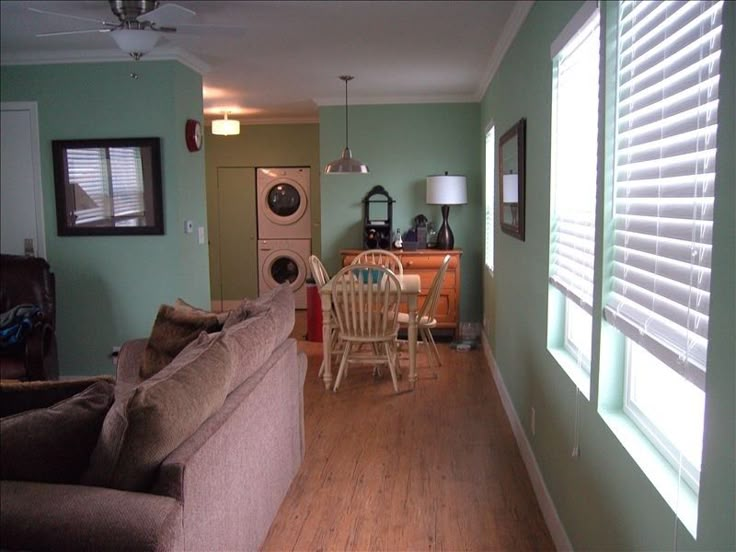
269, 321
149, 421
54, 444
173, 329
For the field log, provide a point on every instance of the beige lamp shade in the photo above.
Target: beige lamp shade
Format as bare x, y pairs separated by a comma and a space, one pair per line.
446, 190
225, 127
511, 188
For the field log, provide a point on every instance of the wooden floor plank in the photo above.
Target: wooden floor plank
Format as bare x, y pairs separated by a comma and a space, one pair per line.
432, 469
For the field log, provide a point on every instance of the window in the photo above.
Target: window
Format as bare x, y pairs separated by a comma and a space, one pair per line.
666, 123
576, 59
490, 187
667, 408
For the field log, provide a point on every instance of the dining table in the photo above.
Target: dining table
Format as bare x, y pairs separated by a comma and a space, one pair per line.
410, 288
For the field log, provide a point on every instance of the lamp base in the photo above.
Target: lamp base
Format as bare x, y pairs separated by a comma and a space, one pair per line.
445, 239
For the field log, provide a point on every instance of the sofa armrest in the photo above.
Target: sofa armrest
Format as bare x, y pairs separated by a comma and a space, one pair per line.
44, 516
130, 360
19, 396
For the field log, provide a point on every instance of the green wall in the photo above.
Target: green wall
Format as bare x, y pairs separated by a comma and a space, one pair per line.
402, 145
603, 498
287, 145
109, 288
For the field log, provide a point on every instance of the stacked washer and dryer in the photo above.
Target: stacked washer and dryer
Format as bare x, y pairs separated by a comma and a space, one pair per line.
284, 230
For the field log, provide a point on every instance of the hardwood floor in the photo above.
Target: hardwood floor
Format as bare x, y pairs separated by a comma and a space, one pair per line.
433, 469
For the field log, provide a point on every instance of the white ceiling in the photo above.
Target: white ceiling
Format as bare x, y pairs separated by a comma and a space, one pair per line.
283, 59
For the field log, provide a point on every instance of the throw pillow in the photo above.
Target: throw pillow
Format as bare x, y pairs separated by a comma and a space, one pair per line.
146, 424
173, 330
181, 304
54, 444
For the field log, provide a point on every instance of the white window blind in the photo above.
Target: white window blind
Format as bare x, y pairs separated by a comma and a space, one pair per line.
107, 183
667, 101
490, 195
574, 163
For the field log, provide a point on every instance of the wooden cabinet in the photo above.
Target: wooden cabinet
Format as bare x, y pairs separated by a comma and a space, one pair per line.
425, 263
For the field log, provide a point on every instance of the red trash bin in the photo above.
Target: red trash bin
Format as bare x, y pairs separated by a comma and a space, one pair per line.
314, 312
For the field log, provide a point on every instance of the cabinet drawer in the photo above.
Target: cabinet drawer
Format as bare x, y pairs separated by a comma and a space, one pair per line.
426, 277
415, 262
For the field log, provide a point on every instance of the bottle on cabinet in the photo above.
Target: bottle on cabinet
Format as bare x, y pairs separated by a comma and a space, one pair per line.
398, 242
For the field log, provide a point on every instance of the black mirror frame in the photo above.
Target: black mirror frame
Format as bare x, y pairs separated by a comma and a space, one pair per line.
518, 131
154, 180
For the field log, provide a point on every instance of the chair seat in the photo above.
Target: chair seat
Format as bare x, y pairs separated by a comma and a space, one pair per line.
426, 321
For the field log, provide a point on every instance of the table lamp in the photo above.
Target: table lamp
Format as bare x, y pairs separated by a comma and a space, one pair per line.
446, 190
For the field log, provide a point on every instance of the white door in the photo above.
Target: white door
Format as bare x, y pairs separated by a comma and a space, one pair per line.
21, 199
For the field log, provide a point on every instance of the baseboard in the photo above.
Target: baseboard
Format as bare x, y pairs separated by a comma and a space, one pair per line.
554, 524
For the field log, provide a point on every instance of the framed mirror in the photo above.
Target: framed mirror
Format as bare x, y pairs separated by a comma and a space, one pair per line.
107, 187
512, 179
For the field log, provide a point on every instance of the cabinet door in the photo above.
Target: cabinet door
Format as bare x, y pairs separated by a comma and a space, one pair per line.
234, 253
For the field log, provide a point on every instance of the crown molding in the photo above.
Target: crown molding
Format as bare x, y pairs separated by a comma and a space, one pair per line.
105, 56
454, 98
287, 120
510, 30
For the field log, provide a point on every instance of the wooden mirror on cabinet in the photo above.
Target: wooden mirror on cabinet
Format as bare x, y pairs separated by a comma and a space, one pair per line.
512, 179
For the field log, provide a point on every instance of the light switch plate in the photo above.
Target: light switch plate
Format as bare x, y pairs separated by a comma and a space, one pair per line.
200, 235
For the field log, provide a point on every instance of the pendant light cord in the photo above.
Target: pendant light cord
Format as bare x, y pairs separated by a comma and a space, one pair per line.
346, 113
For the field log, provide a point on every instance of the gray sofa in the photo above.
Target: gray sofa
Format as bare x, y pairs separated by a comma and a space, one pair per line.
218, 490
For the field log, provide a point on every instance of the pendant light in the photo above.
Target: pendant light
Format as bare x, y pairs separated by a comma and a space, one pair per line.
225, 127
346, 163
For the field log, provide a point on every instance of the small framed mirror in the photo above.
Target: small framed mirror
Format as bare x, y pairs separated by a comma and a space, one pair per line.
108, 187
512, 179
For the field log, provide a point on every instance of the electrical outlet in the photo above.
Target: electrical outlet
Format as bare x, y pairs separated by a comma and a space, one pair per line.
534, 421
575, 452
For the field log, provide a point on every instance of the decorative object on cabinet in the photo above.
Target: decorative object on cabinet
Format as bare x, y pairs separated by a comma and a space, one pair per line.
377, 219
225, 126
107, 187
193, 135
346, 163
446, 190
425, 263
512, 179
420, 227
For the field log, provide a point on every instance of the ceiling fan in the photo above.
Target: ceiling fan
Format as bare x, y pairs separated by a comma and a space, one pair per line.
140, 25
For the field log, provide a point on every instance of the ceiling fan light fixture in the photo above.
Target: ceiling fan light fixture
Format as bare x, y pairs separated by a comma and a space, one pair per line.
225, 127
346, 163
135, 42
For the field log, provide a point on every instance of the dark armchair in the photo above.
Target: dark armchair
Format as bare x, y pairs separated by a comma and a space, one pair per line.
29, 281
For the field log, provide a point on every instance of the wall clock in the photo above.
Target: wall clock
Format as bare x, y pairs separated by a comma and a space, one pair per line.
193, 135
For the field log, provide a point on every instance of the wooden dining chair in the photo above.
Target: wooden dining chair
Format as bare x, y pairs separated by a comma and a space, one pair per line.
321, 277
380, 257
366, 300
425, 317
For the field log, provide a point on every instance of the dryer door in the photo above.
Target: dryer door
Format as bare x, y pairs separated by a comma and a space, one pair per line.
283, 265
283, 201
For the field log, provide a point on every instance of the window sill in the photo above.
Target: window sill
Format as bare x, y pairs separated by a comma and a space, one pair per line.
678, 495
575, 372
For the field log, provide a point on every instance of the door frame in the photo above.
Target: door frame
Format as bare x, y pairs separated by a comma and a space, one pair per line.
32, 109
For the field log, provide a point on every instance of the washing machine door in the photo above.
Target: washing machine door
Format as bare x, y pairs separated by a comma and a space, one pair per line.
282, 266
283, 201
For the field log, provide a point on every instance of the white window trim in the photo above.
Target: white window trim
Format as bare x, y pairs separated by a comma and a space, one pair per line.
490, 263
581, 358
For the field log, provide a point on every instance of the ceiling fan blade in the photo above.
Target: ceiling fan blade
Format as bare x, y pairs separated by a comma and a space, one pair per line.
69, 16
226, 30
168, 15
85, 31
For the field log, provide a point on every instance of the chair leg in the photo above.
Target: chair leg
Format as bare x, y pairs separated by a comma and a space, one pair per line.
391, 366
434, 346
343, 363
